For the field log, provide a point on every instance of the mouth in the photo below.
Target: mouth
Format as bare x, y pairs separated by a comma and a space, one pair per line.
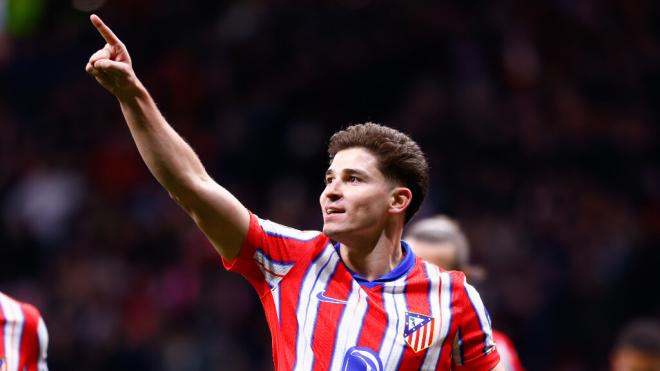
333, 211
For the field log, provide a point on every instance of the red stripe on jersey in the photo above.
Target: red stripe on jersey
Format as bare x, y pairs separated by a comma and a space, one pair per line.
289, 300
472, 333
287, 328
29, 351
463, 313
417, 301
272, 320
375, 324
325, 334
445, 360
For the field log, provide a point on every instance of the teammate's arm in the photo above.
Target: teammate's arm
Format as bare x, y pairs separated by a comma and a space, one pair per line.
170, 159
499, 367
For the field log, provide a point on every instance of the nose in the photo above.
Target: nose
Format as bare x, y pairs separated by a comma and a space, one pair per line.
332, 191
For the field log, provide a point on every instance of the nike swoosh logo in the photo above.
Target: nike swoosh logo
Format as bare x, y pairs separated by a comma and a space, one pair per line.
321, 296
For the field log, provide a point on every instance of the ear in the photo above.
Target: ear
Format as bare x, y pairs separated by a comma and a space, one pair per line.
400, 198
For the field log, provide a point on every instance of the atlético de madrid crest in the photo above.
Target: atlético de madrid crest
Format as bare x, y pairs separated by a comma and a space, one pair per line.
418, 331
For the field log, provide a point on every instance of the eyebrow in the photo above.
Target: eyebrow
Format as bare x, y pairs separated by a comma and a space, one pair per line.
348, 171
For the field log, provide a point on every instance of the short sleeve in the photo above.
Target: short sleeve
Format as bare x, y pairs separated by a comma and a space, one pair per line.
474, 348
270, 251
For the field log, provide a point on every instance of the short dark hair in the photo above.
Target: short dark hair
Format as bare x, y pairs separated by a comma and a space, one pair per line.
400, 158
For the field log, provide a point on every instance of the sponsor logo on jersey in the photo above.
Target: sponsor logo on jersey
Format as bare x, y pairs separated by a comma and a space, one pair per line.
418, 331
322, 297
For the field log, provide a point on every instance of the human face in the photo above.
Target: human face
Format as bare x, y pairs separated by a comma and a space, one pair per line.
442, 254
355, 201
627, 359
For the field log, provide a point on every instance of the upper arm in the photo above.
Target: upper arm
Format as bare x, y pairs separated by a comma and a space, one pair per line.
220, 216
474, 336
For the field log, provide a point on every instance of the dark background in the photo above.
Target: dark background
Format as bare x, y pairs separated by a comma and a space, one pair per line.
540, 120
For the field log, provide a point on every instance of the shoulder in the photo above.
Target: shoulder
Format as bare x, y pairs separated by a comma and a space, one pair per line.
278, 230
15, 310
431, 271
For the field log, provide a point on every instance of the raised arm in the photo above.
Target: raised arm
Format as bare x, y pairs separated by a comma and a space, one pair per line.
222, 218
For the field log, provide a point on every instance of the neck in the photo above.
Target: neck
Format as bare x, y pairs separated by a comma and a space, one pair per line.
376, 257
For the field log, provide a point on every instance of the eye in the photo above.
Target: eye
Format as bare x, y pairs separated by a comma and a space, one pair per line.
353, 179
328, 180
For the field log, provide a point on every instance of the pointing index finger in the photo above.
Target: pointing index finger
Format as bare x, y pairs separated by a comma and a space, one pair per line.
106, 32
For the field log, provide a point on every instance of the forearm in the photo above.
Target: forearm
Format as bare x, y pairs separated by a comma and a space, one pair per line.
169, 158
167, 155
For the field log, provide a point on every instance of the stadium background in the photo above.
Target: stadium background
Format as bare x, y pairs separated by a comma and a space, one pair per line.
540, 120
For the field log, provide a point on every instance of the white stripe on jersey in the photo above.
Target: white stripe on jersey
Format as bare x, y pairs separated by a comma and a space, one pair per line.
13, 330
350, 326
273, 228
273, 271
395, 304
484, 321
275, 292
316, 280
432, 355
42, 333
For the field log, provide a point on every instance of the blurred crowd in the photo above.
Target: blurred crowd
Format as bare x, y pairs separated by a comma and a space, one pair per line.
539, 119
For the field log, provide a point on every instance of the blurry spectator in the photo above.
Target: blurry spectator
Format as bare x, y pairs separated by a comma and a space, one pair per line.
539, 120
637, 347
440, 240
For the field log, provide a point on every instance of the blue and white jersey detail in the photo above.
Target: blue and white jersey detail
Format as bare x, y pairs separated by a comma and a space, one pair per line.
315, 281
394, 344
275, 229
350, 326
482, 314
13, 331
272, 270
361, 359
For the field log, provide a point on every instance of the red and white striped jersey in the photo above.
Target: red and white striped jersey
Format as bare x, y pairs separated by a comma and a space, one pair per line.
323, 316
23, 336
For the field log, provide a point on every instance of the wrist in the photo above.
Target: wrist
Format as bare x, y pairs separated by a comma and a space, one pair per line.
132, 95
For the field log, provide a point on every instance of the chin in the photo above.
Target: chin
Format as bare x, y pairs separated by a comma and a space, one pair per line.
333, 232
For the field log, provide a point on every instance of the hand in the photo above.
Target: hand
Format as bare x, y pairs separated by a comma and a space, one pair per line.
111, 66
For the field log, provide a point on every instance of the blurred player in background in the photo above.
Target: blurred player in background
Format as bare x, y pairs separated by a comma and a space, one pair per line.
23, 336
363, 303
637, 347
440, 240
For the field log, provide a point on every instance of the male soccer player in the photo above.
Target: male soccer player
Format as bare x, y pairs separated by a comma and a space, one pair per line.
363, 303
637, 347
23, 336
441, 241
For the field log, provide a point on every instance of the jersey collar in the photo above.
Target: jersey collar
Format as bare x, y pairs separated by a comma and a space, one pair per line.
406, 264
